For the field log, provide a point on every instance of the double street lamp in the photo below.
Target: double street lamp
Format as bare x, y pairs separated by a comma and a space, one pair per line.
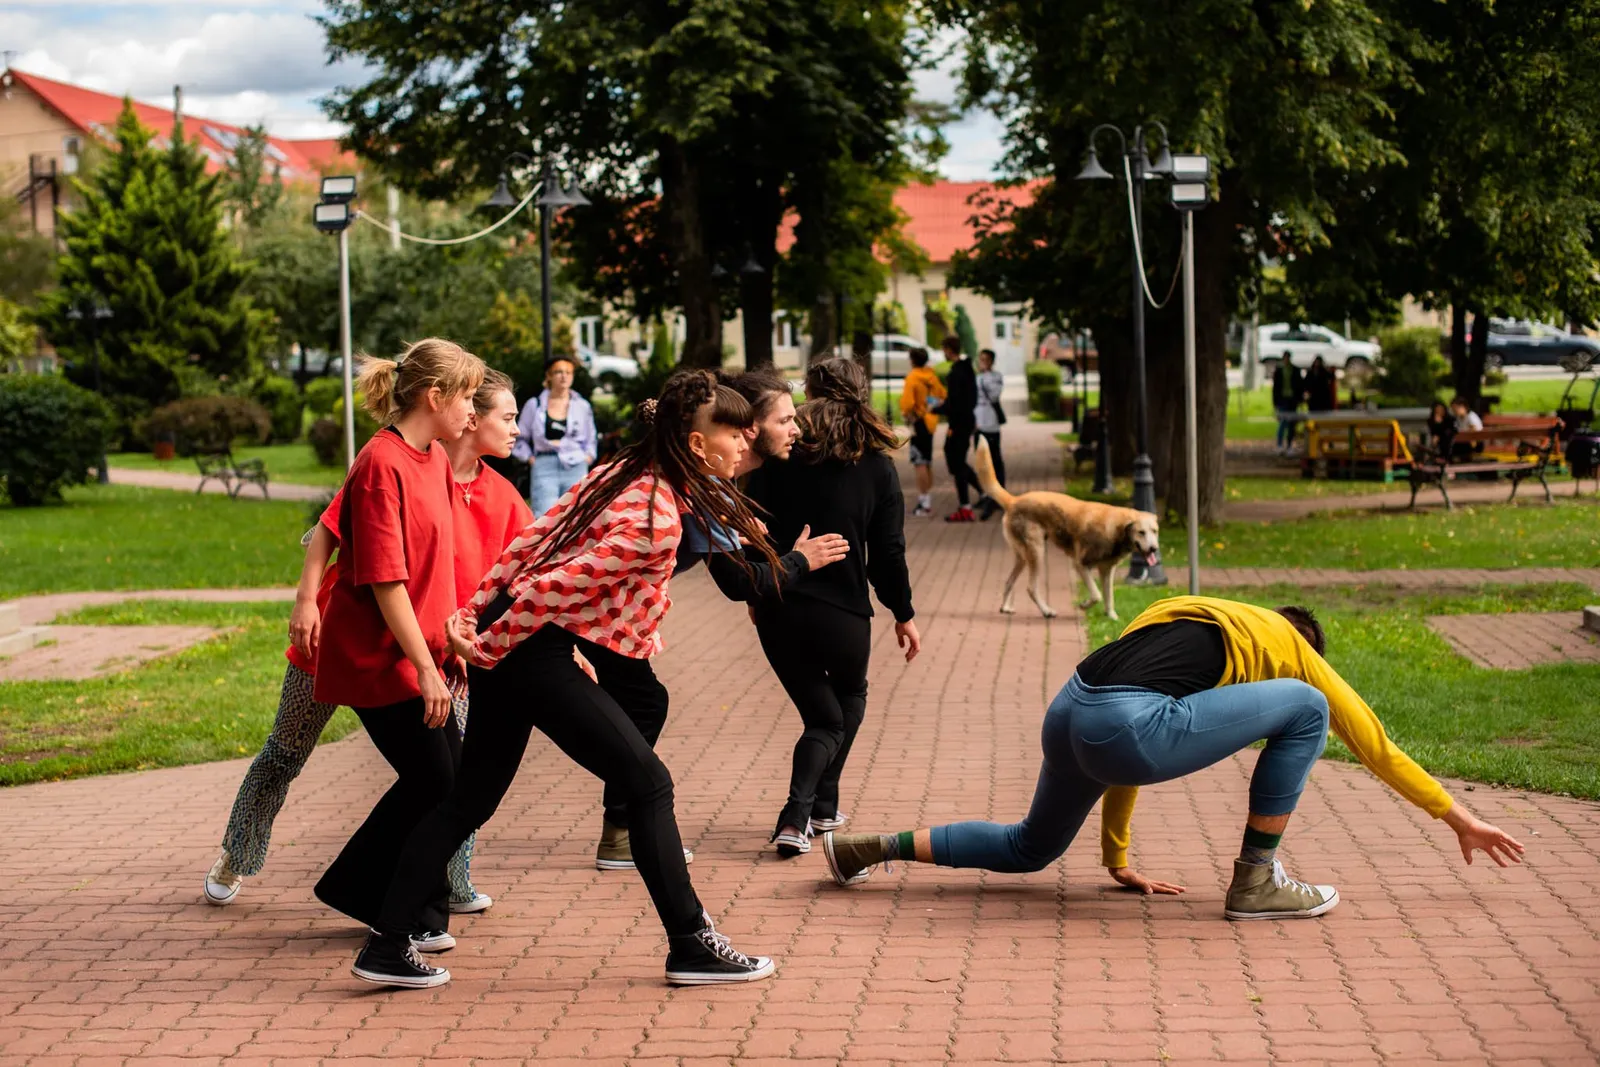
94, 311
551, 196
1189, 174
333, 213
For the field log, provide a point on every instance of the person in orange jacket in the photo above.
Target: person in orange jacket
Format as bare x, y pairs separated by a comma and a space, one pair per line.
920, 398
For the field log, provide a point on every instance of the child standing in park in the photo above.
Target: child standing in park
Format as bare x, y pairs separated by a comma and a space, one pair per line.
920, 397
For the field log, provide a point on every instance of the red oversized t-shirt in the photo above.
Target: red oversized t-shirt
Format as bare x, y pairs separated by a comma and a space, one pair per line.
489, 513
395, 526
330, 521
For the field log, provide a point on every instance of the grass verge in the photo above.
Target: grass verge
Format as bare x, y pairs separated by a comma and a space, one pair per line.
293, 464
1530, 729
120, 537
212, 701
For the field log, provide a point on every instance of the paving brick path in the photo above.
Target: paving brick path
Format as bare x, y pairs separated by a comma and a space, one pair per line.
108, 956
178, 480
78, 652
1527, 639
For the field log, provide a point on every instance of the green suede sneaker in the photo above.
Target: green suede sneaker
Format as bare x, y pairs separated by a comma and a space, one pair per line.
615, 854
851, 857
1262, 892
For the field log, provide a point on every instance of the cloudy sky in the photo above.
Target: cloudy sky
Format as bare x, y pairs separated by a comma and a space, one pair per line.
245, 61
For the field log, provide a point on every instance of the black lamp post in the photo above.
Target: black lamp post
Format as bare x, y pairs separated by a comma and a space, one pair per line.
93, 311
1139, 165
551, 195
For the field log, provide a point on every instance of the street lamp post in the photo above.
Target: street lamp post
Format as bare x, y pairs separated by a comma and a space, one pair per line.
888, 321
551, 195
1190, 193
94, 311
1144, 482
333, 214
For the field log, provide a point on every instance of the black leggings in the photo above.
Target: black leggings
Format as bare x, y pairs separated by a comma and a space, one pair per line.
819, 653
425, 759
995, 455
956, 443
539, 685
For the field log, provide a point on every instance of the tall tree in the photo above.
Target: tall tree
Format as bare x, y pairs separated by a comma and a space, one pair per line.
148, 242
27, 259
1283, 96
254, 179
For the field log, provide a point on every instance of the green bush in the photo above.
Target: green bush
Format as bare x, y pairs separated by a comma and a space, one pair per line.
966, 333
366, 425
327, 441
208, 423
51, 434
1410, 366
284, 406
1044, 388
941, 370
322, 394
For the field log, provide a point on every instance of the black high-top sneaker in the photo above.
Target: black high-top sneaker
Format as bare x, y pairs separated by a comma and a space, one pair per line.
706, 958
395, 962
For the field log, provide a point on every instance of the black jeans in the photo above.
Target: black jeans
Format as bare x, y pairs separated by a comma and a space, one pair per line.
425, 760
642, 697
539, 685
819, 653
956, 443
995, 455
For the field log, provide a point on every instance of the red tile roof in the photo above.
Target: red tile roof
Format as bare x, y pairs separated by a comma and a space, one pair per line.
941, 217
95, 113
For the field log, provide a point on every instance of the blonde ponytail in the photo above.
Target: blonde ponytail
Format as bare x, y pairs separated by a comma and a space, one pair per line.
392, 387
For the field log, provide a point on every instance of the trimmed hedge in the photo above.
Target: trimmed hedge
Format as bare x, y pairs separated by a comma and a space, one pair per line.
284, 406
208, 423
52, 434
1044, 388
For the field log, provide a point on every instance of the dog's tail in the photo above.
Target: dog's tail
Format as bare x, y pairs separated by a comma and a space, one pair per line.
983, 466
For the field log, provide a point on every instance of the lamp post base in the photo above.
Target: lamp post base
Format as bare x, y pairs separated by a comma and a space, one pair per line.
1140, 571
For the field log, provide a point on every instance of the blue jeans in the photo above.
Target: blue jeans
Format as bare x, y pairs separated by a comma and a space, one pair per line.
551, 479
1096, 737
1286, 427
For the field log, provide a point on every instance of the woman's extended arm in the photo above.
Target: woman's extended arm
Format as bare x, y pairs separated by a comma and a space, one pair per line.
402, 620
305, 621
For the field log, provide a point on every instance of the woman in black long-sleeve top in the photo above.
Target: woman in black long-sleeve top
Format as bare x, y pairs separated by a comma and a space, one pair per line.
818, 635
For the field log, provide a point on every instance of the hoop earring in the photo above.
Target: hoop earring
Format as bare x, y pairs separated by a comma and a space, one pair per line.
714, 460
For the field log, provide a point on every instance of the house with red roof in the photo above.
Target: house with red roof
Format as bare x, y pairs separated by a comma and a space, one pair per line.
46, 125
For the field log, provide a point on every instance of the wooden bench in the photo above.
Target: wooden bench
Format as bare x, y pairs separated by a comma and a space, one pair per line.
233, 474
1350, 443
1532, 424
1520, 450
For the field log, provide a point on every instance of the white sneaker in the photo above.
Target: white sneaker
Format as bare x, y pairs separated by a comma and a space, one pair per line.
222, 882
479, 902
822, 826
792, 843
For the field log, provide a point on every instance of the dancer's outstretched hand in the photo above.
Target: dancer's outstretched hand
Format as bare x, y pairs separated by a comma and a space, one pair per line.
461, 635
1473, 834
910, 640
1134, 880
822, 550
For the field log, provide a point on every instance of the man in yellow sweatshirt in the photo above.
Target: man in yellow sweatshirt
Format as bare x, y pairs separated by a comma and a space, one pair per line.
1190, 682
920, 396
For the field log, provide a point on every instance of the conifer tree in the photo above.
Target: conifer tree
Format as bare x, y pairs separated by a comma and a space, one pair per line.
147, 242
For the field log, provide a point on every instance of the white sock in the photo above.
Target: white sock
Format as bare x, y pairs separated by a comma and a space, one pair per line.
924, 500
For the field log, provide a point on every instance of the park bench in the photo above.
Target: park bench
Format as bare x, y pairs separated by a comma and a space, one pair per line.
1532, 424
220, 466
1349, 444
1519, 449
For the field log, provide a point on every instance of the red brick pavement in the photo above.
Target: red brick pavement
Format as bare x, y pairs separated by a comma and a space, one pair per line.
109, 956
1511, 642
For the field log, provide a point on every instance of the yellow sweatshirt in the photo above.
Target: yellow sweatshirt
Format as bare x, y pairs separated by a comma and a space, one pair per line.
920, 384
1260, 645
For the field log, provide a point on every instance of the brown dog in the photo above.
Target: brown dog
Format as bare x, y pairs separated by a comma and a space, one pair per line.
1092, 535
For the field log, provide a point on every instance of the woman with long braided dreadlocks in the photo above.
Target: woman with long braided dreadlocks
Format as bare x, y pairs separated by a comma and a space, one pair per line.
590, 574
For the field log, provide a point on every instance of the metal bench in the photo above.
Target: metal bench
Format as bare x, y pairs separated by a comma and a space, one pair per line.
1520, 450
233, 474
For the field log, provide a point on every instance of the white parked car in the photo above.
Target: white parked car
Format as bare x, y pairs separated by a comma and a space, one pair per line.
1305, 342
898, 346
606, 370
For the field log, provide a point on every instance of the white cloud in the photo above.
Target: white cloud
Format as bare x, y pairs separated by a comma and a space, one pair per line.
975, 138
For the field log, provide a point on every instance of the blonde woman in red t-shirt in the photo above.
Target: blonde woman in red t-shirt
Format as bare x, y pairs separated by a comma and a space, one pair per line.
384, 644
591, 574
487, 512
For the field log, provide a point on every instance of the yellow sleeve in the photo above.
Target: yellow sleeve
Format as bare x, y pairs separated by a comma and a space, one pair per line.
1356, 725
1116, 824
935, 386
909, 400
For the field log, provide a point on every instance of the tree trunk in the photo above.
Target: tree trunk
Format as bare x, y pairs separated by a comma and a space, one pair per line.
824, 326
1458, 339
1470, 383
764, 211
698, 292
1113, 341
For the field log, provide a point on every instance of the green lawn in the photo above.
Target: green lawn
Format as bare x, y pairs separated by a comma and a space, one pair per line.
120, 537
1565, 534
213, 701
1247, 487
1531, 729
292, 463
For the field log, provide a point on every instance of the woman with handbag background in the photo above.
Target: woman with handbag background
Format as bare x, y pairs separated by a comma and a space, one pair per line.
990, 416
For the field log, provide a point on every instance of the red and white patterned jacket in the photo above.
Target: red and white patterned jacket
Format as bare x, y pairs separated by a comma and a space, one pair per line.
609, 587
